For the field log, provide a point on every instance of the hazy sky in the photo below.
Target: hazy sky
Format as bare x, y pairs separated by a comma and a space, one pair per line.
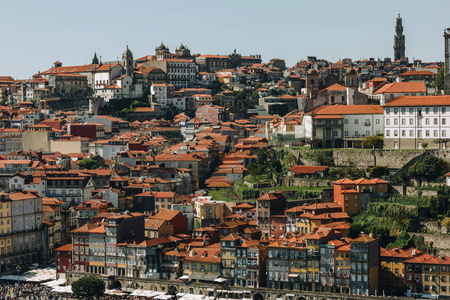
36, 33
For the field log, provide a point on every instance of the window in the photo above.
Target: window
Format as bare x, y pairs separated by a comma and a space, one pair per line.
403, 132
411, 121
427, 121
395, 132
435, 110
411, 133
443, 121
395, 111
411, 110
346, 133
388, 132
435, 133
427, 110
443, 133
403, 121
388, 122
388, 110
346, 121
377, 121
356, 121
427, 133
395, 121
443, 110
403, 110
435, 121
356, 133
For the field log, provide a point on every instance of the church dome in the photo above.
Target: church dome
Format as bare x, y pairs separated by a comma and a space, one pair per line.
161, 47
312, 72
351, 71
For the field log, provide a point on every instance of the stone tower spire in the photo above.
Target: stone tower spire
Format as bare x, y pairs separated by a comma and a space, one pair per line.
127, 62
399, 40
95, 59
447, 61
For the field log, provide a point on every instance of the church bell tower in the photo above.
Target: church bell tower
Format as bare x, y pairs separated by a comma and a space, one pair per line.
127, 62
399, 40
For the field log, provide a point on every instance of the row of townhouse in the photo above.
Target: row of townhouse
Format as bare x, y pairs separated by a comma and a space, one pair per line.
321, 261
21, 230
318, 261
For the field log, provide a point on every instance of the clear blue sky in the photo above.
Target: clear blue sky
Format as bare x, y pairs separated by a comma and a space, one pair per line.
36, 33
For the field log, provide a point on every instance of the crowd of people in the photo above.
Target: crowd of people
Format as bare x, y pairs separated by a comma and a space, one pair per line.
30, 291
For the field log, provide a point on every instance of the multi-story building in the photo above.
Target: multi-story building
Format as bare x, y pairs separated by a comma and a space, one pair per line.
208, 211
181, 73
27, 243
10, 167
342, 266
211, 113
393, 276
70, 187
11, 139
428, 276
63, 260
365, 265
196, 162
187, 209
51, 215
391, 91
202, 264
411, 122
413, 273
5, 232
353, 195
228, 247
95, 245
271, 203
306, 218
343, 125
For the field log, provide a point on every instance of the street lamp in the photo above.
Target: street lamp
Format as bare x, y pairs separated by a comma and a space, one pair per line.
18, 272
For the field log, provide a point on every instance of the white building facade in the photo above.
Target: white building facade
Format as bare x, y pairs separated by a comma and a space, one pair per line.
417, 122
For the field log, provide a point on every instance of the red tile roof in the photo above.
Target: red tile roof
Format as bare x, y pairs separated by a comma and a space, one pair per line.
403, 87
307, 169
420, 101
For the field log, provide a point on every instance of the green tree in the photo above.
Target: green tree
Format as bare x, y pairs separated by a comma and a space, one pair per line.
241, 95
373, 142
89, 286
439, 80
254, 96
172, 111
428, 169
89, 164
279, 109
324, 158
289, 160
275, 92
378, 171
